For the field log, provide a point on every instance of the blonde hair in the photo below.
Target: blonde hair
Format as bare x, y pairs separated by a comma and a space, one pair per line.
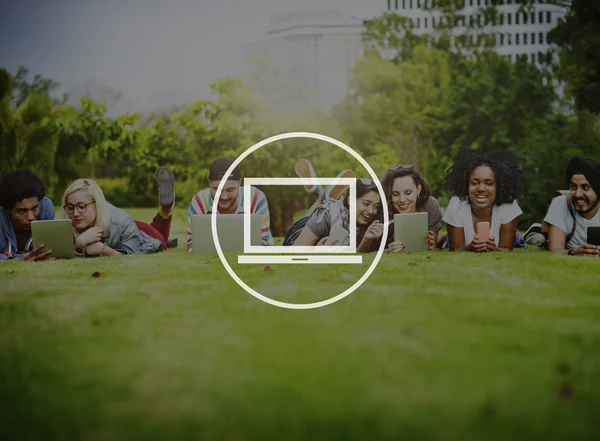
91, 189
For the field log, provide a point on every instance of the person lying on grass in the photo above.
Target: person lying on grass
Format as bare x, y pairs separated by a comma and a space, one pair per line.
231, 200
485, 187
407, 192
22, 201
315, 229
567, 231
102, 229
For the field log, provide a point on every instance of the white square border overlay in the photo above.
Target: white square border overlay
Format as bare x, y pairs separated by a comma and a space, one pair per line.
260, 249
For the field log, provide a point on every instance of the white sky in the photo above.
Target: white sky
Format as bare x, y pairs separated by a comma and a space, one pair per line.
158, 53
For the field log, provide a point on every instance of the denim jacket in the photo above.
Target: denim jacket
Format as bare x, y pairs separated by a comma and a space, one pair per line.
8, 238
125, 237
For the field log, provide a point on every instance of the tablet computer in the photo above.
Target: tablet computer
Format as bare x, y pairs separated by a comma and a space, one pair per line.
593, 235
56, 235
411, 230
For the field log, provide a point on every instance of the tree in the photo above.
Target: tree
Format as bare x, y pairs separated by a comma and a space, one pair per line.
24, 140
39, 85
387, 115
579, 40
393, 37
100, 135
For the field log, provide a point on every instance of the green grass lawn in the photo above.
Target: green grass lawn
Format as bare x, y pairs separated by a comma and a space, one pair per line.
433, 346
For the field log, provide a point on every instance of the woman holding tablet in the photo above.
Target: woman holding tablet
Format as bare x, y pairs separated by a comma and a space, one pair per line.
485, 187
407, 192
101, 229
333, 216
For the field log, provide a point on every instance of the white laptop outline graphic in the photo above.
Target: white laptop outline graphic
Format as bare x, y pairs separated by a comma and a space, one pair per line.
300, 254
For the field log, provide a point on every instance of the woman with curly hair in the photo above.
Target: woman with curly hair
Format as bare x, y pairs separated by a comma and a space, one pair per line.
485, 188
407, 192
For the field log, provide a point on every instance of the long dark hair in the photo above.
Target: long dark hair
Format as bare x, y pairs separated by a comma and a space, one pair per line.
401, 171
364, 186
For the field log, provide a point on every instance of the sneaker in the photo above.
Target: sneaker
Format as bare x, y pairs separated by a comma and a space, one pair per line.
166, 186
334, 191
535, 239
305, 170
534, 228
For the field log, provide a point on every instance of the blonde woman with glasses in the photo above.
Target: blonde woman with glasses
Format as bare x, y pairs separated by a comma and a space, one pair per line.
102, 229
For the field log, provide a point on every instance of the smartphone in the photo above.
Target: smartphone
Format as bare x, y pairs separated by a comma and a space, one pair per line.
483, 230
338, 233
593, 236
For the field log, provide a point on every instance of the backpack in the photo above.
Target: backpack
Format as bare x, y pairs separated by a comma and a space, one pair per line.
546, 227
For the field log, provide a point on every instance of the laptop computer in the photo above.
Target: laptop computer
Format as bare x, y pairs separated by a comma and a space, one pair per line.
411, 230
230, 228
297, 254
56, 235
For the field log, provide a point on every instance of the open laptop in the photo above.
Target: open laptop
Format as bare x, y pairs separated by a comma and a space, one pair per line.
230, 228
56, 235
301, 254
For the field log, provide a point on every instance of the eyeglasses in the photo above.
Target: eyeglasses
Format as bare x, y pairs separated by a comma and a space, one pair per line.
81, 207
409, 167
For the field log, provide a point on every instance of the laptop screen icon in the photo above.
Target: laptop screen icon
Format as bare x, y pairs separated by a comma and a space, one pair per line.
300, 254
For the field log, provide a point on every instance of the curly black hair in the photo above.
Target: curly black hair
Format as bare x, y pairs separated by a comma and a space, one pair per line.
18, 185
399, 172
510, 178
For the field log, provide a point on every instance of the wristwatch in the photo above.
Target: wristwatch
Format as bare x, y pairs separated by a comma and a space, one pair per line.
79, 252
571, 252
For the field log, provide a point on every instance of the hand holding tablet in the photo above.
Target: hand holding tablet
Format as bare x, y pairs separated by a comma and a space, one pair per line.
55, 236
410, 230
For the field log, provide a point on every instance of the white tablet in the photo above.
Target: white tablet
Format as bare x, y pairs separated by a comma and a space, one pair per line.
411, 230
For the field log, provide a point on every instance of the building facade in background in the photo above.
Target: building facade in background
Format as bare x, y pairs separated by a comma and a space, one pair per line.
518, 33
317, 48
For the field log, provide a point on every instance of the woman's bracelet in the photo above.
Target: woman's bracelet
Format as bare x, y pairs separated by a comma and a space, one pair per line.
102, 251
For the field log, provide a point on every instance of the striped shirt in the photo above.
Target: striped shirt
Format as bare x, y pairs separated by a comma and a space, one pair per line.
203, 201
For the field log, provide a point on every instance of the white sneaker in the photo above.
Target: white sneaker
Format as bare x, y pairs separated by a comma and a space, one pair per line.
305, 170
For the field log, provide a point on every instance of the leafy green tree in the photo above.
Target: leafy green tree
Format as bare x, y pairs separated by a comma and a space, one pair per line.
24, 140
579, 40
101, 136
39, 85
492, 103
393, 37
388, 114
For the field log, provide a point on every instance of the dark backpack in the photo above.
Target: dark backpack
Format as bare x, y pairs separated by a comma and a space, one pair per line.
546, 227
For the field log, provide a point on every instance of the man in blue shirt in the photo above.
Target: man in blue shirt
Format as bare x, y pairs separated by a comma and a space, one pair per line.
22, 200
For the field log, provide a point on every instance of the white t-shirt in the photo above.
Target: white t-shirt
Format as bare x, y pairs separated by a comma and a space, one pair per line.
458, 214
558, 216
